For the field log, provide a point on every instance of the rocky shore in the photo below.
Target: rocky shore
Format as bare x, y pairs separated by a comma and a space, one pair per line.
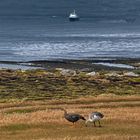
89, 64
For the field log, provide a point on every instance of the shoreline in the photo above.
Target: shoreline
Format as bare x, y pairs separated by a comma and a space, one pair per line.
90, 64
68, 79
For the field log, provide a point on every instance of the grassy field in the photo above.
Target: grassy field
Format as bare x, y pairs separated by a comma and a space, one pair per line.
30, 102
42, 120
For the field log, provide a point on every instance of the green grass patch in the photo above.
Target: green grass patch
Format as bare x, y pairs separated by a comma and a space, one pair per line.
15, 127
23, 110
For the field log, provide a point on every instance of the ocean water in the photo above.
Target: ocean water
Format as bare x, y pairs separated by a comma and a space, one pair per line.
40, 30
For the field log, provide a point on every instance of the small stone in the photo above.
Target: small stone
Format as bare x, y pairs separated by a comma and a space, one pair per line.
131, 74
93, 73
67, 72
113, 74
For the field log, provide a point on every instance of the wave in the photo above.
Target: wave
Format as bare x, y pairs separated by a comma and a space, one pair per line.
115, 35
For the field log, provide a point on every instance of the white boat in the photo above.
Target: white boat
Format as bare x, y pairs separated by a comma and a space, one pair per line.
73, 16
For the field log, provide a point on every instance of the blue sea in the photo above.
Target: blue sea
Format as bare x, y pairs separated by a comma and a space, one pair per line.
41, 30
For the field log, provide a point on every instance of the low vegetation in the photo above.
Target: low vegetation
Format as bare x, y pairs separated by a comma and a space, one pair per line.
45, 85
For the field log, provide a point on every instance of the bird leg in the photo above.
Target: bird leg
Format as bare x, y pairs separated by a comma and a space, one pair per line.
94, 124
99, 123
74, 124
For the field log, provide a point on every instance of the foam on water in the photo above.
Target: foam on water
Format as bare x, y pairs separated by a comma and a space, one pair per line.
113, 35
116, 65
16, 67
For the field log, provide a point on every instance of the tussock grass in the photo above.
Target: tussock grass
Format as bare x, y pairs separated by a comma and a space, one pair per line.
41, 85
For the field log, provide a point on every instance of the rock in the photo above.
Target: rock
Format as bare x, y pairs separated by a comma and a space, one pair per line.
131, 74
59, 69
85, 70
93, 73
23, 71
67, 72
113, 74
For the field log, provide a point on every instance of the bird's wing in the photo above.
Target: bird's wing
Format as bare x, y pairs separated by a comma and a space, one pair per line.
97, 114
75, 115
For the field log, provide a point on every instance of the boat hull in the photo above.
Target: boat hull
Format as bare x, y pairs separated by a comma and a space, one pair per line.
73, 19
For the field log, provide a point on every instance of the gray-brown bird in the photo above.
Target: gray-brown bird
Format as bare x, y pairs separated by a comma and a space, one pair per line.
72, 117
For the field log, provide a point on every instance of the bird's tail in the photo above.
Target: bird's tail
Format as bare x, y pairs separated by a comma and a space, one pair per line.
82, 118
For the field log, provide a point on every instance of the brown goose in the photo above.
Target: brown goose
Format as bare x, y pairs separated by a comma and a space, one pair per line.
72, 117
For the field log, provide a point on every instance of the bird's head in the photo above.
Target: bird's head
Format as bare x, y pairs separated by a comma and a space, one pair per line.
88, 121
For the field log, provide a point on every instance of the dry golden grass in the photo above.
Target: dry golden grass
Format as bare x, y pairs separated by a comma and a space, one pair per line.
43, 121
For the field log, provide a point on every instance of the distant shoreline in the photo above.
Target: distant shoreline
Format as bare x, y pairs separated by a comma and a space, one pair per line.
89, 63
